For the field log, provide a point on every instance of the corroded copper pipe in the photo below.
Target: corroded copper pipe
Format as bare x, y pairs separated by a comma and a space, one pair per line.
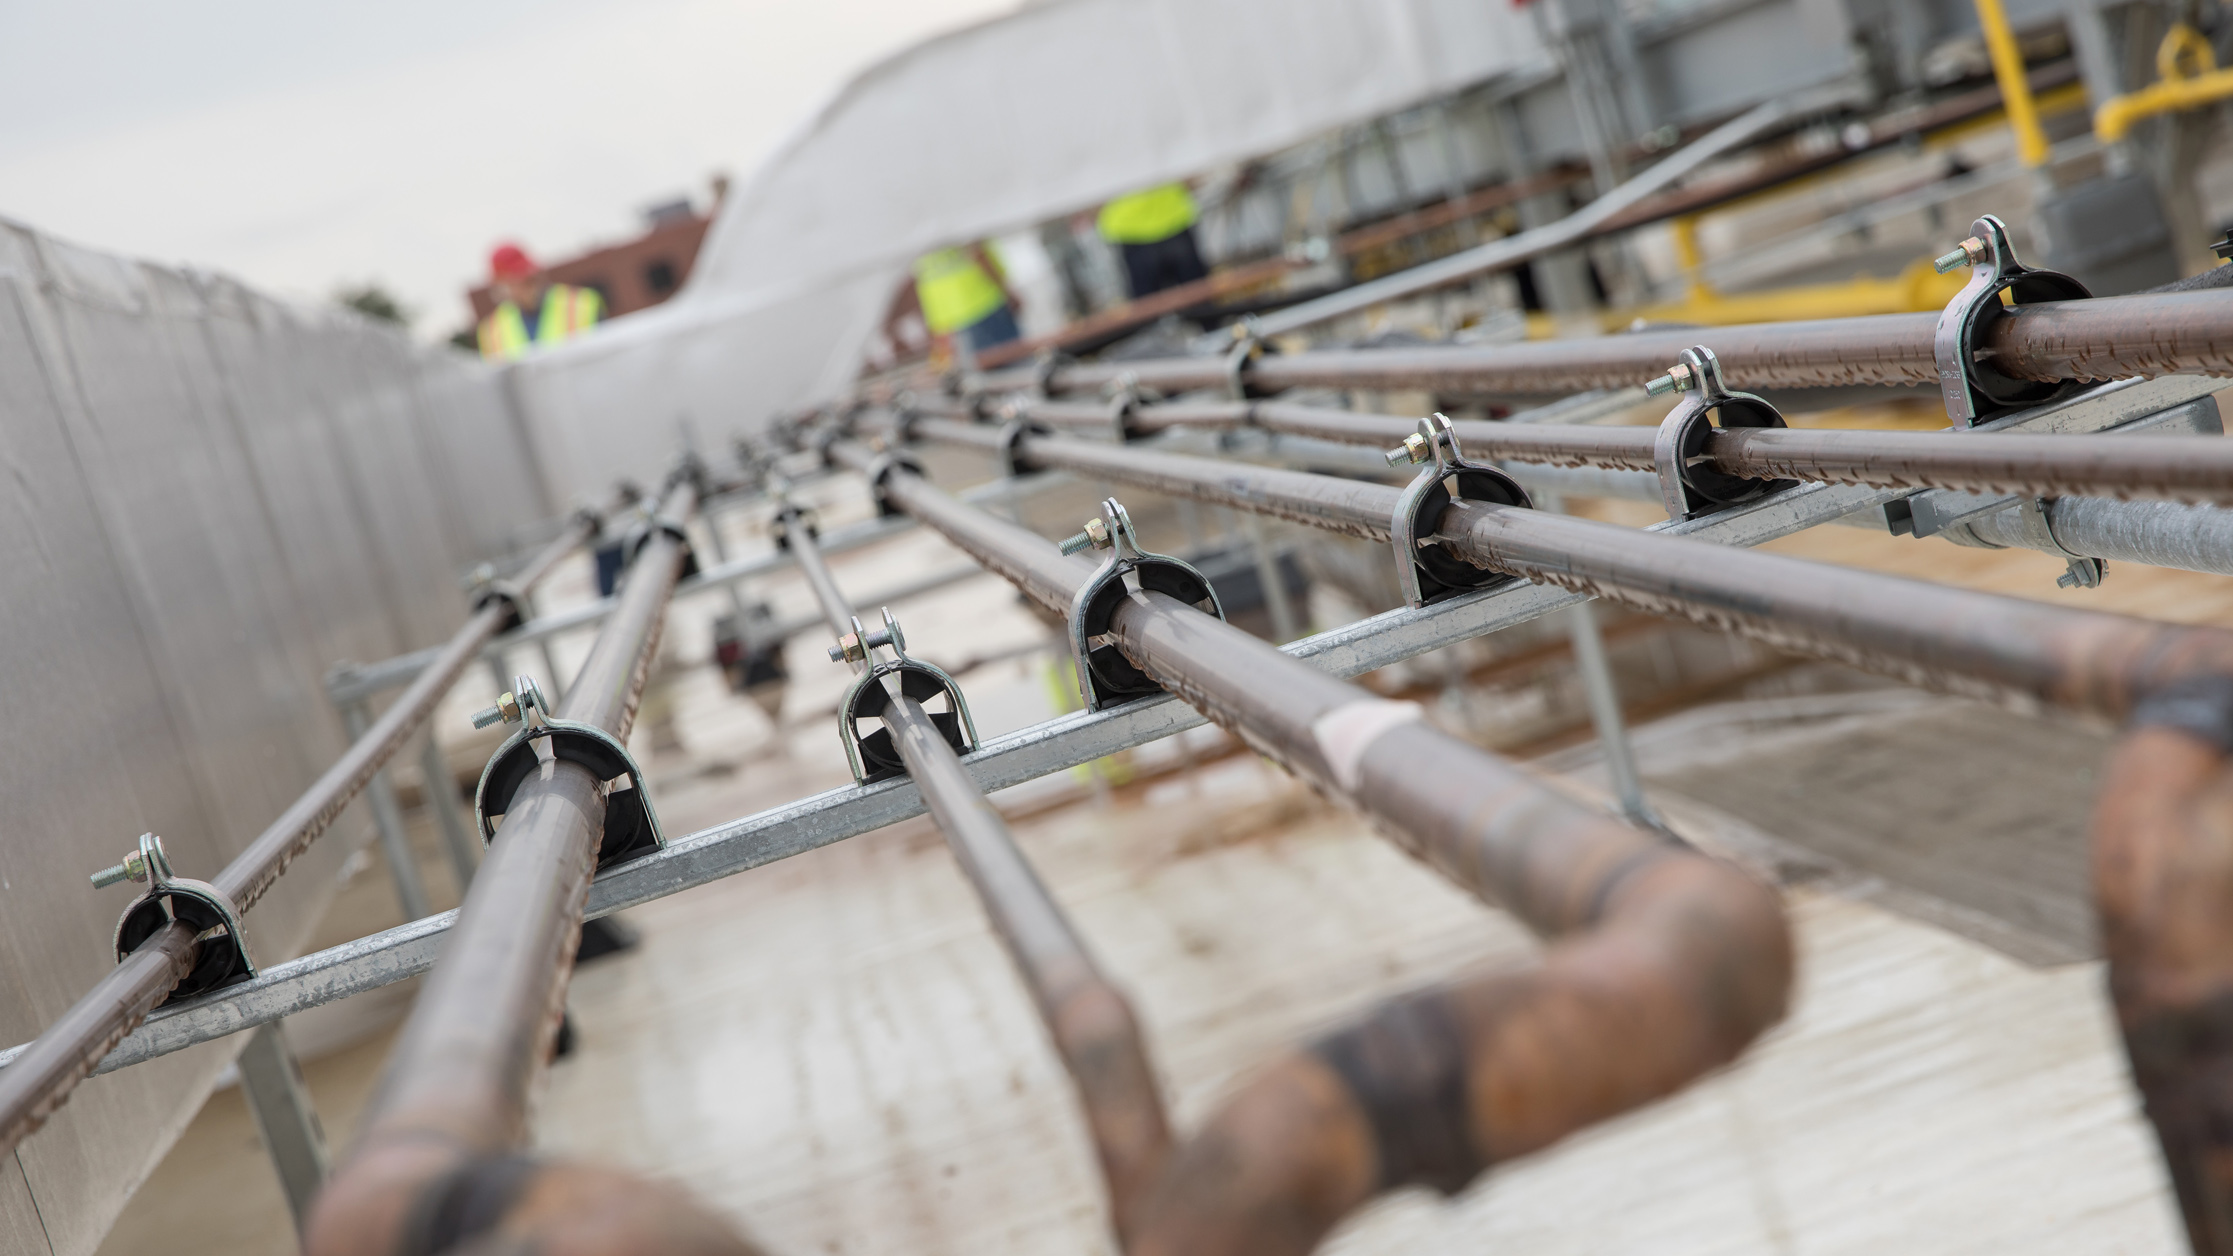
1092, 1023
437, 1168
40, 1080
1666, 965
2101, 339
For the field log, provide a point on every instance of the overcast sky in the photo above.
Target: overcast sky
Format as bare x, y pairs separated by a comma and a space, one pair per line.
304, 144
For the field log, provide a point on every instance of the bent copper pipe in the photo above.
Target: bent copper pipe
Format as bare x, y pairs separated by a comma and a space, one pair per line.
1664, 964
40, 1080
1092, 1023
2163, 836
437, 1168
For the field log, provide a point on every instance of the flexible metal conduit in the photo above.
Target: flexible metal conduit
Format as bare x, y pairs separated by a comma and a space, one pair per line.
2099, 339
2193, 469
41, 1079
1666, 965
439, 1165
1090, 1020
2164, 890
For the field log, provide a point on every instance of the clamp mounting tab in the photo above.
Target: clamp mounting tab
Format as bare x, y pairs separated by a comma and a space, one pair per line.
1427, 571
1972, 389
1687, 486
1105, 677
873, 756
224, 958
631, 827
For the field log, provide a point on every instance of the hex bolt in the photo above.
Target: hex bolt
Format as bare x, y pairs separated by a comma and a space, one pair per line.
1968, 251
1413, 449
1678, 378
854, 647
134, 868
1095, 536
506, 711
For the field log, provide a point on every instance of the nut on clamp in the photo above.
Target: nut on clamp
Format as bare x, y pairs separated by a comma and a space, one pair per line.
1428, 572
631, 827
224, 958
1105, 677
873, 756
1972, 389
1687, 486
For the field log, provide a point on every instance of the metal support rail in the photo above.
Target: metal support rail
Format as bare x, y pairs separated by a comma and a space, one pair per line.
438, 1165
359, 682
2165, 896
2100, 339
1088, 1017
2194, 469
40, 1079
1434, 1087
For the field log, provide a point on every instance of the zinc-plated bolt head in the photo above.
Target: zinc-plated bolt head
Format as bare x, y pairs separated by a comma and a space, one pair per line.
1413, 449
1969, 252
506, 711
1679, 378
1095, 536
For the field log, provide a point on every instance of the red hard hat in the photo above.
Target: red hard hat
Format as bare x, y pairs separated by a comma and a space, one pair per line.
510, 261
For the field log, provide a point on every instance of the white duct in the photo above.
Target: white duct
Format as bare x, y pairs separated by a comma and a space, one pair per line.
994, 127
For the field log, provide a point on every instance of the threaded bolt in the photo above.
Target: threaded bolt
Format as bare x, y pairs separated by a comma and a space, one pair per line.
1679, 378
1412, 450
506, 711
1967, 252
134, 868
1095, 536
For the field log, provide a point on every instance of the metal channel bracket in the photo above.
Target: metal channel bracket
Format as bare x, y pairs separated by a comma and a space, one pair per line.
1687, 486
1973, 390
1430, 572
873, 756
631, 826
1105, 677
224, 956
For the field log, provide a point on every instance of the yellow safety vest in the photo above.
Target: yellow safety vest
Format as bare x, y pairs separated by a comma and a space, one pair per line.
954, 290
1148, 217
567, 311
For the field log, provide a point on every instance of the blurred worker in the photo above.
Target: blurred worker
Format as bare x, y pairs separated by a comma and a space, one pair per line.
530, 309
964, 294
1154, 230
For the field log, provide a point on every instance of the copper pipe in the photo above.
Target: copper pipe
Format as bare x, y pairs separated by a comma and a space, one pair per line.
2101, 339
40, 1080
437, 1168
1666, 964
1092, 1023
2163, 835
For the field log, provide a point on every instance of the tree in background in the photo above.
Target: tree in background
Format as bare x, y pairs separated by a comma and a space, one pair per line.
374, 302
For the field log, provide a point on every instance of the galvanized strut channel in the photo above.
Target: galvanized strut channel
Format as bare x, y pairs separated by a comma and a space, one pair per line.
438, 1166
2099, 339
40, 1079
1089, 1018
1666, 964
2162, 887
2192, 469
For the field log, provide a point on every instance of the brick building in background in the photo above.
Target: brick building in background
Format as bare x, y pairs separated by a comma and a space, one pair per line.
636, 274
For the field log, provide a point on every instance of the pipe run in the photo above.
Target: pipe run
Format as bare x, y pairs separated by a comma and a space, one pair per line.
439, 1165
40, 1079
1666, 964
1088, 1017
2193, 469
2164, 891
2100, 339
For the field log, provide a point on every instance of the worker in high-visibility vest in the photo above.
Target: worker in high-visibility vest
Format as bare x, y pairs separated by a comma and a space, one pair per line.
964, 294
1154, 230
531, 310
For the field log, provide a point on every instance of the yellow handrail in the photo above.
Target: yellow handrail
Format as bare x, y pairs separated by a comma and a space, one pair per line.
2188, 78
2015, 89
